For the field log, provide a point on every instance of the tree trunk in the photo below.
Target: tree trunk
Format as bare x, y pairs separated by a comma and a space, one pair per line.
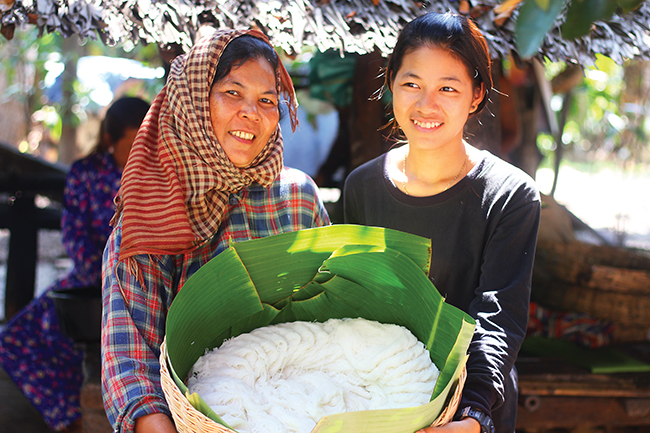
507, 126
360, 137
68, 149
526, 104
14, 115
367, 139
635, 101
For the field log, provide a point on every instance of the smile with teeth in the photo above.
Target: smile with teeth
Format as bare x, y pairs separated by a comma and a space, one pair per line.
427, 125
242, 134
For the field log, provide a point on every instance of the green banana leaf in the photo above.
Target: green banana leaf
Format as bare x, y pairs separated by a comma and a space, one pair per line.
316, 274
533, 23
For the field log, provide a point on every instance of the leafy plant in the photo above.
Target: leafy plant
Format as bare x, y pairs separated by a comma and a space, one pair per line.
538, 17
607, 118
54, 100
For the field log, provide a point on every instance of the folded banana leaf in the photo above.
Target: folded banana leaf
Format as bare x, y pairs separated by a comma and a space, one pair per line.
317, 274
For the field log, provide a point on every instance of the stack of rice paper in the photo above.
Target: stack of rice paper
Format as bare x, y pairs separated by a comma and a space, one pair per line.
314, 275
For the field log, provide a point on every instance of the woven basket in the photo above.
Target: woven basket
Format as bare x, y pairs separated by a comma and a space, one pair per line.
189, 420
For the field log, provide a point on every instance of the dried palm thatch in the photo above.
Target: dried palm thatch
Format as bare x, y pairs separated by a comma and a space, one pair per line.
357, 26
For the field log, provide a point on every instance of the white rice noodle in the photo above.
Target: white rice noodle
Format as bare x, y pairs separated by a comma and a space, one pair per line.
284, 378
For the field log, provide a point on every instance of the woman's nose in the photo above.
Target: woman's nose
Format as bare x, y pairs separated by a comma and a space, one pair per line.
428, 101
249, 110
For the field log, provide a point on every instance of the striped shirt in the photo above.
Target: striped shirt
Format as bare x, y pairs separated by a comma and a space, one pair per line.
133, 328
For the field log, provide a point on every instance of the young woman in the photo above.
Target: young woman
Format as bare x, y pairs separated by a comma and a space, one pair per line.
205, 170
481, 213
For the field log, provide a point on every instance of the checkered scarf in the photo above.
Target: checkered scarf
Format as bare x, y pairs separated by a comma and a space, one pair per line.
177, 180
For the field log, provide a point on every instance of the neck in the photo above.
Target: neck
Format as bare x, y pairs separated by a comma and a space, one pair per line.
434, 166
423, 172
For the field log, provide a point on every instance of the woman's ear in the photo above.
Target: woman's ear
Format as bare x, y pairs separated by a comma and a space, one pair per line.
106, 138
479, 94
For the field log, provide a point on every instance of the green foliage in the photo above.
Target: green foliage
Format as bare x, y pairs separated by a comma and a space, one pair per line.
582, 14
25, 55
148, 55
533, 23
537, 17
600, 125
28, 63
629, 5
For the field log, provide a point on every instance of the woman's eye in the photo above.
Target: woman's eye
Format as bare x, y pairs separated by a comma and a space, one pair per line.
412, 85
448, 89
267, 101
231, 92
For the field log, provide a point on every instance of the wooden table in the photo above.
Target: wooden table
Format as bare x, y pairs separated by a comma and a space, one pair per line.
554, 394
22, 178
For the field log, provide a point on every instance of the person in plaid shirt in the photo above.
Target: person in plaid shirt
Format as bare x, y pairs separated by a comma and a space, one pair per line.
205, 170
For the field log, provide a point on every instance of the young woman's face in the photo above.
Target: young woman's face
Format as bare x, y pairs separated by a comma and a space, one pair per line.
244, 110
433, 96
122, 147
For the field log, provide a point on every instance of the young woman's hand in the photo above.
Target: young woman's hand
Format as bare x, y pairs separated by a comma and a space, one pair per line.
466, 425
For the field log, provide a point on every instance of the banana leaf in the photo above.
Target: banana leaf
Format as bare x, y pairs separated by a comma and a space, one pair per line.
314, 275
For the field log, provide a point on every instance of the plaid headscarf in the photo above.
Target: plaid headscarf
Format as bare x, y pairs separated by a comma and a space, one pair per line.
177, 180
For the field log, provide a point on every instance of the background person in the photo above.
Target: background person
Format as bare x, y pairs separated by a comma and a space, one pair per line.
42, 361
481, 213
205, 170
91, 187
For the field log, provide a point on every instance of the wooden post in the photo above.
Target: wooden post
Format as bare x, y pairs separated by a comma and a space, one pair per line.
23, 247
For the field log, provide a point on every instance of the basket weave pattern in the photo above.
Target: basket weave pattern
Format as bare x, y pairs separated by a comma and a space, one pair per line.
189, 420
447, 414
186, 417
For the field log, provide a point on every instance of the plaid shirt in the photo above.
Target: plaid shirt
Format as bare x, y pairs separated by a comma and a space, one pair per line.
133, 328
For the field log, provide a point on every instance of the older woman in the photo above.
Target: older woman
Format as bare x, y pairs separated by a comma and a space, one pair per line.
205, 170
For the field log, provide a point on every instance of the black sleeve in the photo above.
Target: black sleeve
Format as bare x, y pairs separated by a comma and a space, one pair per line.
501, 301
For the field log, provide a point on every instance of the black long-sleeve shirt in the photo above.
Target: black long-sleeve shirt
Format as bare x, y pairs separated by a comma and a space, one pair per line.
483, 232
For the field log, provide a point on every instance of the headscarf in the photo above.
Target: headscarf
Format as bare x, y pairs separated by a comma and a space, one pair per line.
177, 180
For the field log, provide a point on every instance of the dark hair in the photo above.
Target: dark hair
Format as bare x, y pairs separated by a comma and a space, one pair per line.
242, 49
128, 112
454, 32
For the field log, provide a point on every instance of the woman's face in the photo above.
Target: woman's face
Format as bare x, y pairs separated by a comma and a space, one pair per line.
244, 110
122, 147
433, 96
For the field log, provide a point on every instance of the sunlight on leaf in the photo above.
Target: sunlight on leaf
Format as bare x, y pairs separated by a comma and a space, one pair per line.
582, 14
341, 271
533, 23
629, 5
543, 4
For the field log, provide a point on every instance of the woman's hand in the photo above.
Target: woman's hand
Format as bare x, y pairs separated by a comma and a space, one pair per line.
465, 425
154, 423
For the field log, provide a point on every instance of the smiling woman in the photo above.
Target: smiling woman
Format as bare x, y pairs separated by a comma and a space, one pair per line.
244, 101
480, 212
205, 170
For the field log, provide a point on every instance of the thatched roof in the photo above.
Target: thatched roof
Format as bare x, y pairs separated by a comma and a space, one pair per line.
357, 26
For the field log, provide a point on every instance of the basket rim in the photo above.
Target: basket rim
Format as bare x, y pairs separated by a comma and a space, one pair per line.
188, 419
